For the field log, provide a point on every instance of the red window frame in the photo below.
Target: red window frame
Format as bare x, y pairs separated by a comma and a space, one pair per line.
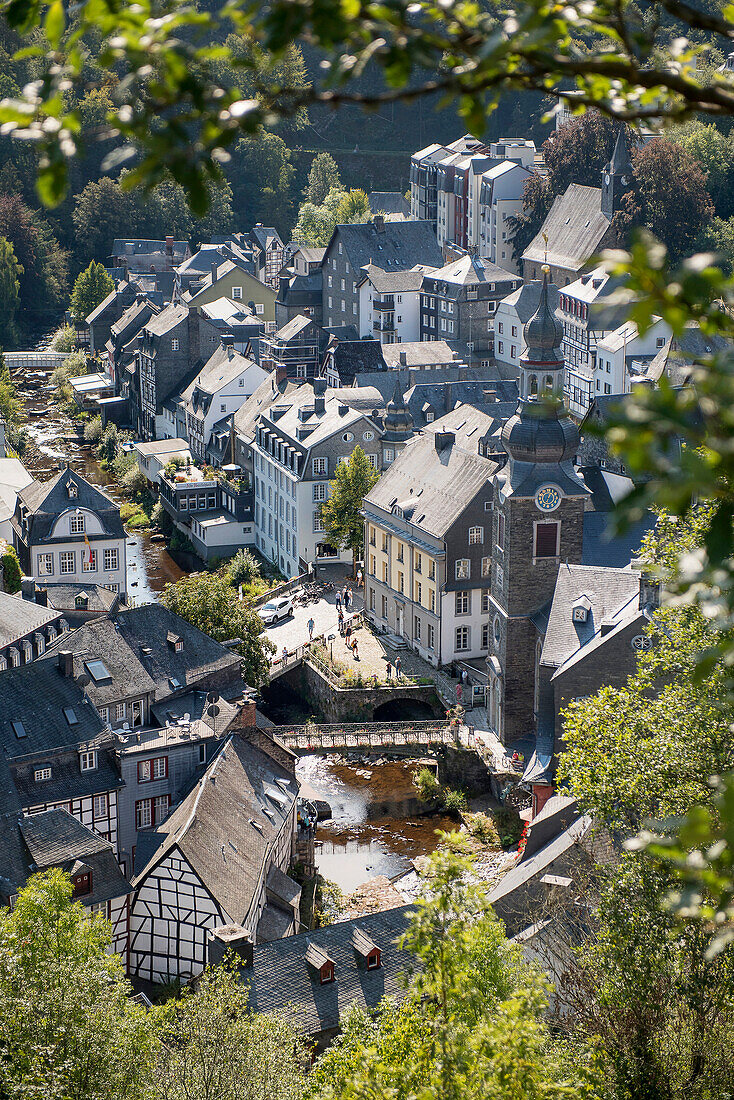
151, 764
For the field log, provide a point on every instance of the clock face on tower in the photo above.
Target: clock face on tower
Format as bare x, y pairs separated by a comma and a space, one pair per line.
547, 498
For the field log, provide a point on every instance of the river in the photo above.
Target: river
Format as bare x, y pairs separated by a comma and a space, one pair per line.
54, 440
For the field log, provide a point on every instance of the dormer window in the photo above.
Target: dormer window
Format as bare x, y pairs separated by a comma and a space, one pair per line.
320, 964
81, 883
88, 760
41, 775
174, 642
397, 511
367, 952
71, 489
580, 610
76, 524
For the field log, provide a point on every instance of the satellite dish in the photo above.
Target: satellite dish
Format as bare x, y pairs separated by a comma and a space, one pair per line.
212, 711
211, 697
83, 680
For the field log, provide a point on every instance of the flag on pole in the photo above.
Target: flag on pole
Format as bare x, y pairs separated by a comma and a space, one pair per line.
89, 553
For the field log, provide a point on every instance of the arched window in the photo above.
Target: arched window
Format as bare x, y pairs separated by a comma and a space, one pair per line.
533, 385
548, 383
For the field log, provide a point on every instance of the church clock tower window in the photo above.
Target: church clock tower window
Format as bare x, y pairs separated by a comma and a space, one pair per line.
547, 539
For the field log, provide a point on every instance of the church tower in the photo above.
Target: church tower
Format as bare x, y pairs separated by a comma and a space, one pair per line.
616, 177
398, 425
539, 504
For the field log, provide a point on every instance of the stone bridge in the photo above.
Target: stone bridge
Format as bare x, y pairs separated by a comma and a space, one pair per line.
374, 737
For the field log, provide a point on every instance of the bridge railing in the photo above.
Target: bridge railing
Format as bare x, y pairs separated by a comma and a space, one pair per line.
370, 735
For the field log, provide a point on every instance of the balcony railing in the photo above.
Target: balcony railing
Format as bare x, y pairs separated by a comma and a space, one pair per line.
384, 324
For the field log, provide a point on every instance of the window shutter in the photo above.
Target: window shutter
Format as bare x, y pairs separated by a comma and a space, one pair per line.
546, 540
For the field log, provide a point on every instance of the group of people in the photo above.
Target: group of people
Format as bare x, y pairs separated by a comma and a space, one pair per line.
398, 669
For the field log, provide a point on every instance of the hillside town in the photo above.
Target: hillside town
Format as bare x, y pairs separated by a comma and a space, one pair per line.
365, 584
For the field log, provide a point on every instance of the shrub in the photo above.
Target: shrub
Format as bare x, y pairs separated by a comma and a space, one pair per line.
485, 830
173, 464
243, 569
427, 785
11, 570
108, 443
133, 480
454, 801
161, 518
93, 430
64, 339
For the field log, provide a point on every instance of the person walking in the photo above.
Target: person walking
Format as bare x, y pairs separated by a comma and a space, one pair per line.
347, 599
459, 693
338, 600
341, 621
398, 667
359, 578
284, 654
310, 624
388, 670
349, 634
355, 651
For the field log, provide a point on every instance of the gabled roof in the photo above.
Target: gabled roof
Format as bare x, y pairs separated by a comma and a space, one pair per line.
56, 839
389, 282
473, 271
266, 395
169, 317
398, 246
607, 592
19, 617
677, 358
36, 696
419, 353
433, 487
62, 597
221, 368
47, 500
295, 326
574, 226
388, 202
281, 980
13, 478
222, 828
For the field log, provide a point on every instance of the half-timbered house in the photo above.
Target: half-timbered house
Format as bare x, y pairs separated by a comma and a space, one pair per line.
220, 858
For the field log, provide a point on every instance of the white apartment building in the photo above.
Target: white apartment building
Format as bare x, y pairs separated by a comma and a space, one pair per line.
389, 304
500, 199
623, 355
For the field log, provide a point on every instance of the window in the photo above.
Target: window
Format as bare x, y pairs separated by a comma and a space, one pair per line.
89, 561
42, 774
463, 603
318, 523
152, 769
418, 592
111, 558
418, 563
144, 813
431, 636
486, 567
67, 561
372, 599
660, 342
259, 308
88, 761
384, 607
401, 582
236, 292
45, 565
500, 347
76, 524
485, 601
319, 490
384, 572
462, 569
546, 540
476, 535
501, 530
174, 344
100, 806
372, 459
417, 629
319, 466
202, 754
104, 713
462, 639
514, 330
485, 635
160, 807
431, 569
500, 576
119, 711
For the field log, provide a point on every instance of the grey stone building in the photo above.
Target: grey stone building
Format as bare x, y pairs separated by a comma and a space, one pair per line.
172, 345
392, 246
459, 301
294, 348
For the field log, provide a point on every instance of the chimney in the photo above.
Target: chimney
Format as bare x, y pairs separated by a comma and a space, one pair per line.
283, 284
343, 410
319, 385
215, 267
230, 939
228, 343
42, 597
444, 439
169, 245
281, 375
66, 662
379, 223
28, 588
319, 404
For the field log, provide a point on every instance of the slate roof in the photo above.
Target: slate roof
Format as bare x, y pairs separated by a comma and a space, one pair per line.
67, 780
56, 839
676, 359
221, 827
399, 246
321, 426
602, 546
62, 597
294, 327
388, 202
526, 300
221, 368
419, 353
607, 590
473, 271
388, 282
99, 310
266, 395
119, 642
13, 853
281, 980
19, 617
437, 485
575, 227
47, 500
169, 317
36, 694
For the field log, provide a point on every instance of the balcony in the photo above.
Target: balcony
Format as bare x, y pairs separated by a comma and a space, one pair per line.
386, 302
384, 324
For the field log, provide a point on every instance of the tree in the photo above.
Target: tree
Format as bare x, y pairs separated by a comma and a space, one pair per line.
668, 196
262, 178
91, 287
214, 1046
209, 602
42, 272
317, 223
10, 272
220, 217
714, 151
341, 512
243, 568
322, 178
68, 1025
353, 208
471, 1026
102, 213
11, 571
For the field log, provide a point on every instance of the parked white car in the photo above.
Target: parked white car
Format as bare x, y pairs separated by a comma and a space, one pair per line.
275, 610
